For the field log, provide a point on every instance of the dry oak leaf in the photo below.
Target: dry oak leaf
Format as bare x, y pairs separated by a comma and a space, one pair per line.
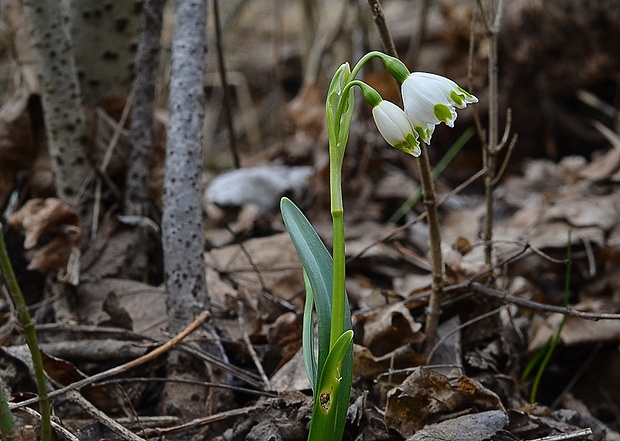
53, 218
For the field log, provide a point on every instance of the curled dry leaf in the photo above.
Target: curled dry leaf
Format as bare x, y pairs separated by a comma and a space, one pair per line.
49, 218
385, 329
425, 396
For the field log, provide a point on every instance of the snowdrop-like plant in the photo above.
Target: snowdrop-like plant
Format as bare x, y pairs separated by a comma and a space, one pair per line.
428, 100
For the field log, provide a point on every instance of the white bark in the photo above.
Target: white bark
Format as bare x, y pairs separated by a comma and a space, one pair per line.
60, 94
182, 223
105, 36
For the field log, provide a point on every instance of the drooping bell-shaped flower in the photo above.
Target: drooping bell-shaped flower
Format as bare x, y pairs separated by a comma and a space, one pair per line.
396, 127
392, 122
430, 99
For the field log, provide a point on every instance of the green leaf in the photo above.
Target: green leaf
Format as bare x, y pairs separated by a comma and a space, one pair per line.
318, 265
329, 402
308, 335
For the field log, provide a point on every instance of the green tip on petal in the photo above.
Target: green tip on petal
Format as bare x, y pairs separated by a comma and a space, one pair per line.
442, 112
410, 145
413, 150
467, 94
458, 99
422, 132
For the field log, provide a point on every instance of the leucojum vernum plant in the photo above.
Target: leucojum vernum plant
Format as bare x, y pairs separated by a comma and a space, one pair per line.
428, 100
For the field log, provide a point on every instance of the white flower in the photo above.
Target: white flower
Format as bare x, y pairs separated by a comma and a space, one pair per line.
396, 127
430, 99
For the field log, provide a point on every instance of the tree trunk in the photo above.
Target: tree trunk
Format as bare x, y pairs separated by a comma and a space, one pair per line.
137, 194
182, 223
105, 38
60, 96
141, 133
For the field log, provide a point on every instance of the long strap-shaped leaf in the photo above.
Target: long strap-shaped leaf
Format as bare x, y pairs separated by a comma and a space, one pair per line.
317, 263
318, 266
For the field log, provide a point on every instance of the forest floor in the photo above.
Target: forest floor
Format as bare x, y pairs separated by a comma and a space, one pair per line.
527, 349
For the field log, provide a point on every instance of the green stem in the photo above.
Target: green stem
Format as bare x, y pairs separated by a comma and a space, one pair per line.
356, 69
337, 212
337, 147
31, 338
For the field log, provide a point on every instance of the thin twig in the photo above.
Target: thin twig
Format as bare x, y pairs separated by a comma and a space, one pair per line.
124, 367
570, 436
248, 377
244, 390
250, 346
160, 433
227, 102
102, 418
437, 281
379, 18
537, 306
502, 169
57, 427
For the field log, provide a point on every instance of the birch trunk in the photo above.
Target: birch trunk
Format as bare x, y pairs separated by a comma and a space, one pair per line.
60, 96
182, 223
141, 133
105, 39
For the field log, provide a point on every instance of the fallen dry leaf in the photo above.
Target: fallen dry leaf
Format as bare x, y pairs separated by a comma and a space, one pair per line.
52, 218
384, 329
426, 395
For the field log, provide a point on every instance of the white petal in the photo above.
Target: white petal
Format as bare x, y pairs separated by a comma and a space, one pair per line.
395, 127
420, 95
392, 122
430, 99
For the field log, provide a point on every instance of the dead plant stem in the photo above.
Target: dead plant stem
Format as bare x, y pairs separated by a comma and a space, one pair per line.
223, 78
490, 151
536, 306
430, 203
379, 18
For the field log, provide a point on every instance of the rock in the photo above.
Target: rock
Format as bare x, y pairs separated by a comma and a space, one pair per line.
262, 186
